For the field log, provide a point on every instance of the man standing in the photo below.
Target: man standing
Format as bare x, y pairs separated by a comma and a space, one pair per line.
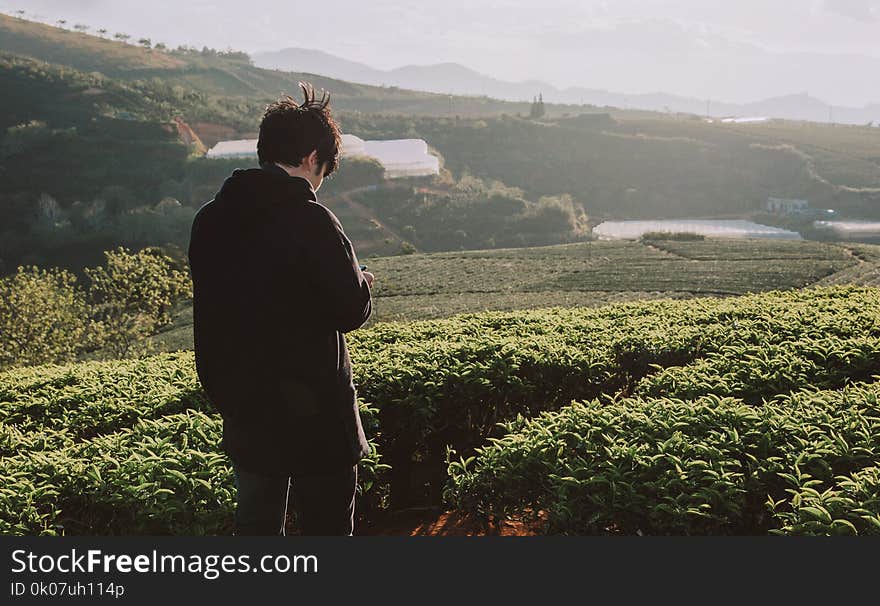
276, 283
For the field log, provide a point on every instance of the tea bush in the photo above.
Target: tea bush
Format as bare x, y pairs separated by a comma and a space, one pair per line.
692, 376
804, 463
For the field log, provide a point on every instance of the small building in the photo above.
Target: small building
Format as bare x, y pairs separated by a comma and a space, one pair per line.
786, 206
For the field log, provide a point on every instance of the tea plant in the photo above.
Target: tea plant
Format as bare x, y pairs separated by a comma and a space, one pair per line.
732, 391
801, 463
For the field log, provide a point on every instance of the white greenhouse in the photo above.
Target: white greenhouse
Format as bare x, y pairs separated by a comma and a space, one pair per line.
239, 148
399, 157
726, 228
748, 120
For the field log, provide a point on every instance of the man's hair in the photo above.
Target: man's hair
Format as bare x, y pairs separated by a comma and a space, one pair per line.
290, 132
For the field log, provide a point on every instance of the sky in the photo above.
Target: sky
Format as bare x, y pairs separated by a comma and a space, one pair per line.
731, 50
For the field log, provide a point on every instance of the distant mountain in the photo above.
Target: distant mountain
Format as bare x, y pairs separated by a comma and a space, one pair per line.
456, 79
441, 77
317, 62
222, 74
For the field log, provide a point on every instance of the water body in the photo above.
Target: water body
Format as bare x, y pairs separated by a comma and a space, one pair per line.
721, 228
851, 229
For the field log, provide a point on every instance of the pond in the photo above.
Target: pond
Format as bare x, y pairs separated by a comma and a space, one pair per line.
712, 228
850, 229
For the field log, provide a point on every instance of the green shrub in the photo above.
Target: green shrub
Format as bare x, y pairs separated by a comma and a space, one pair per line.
158, 477
43, 317
756, 371
132, 295
710, 466
849, 506
96, 398
94, 448
448, 383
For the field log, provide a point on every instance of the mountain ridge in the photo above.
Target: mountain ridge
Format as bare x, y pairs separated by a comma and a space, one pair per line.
438, 78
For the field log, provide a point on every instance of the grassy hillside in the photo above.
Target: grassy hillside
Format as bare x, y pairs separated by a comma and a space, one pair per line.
69, 123
103, 118
638, 164
102, 123
624, 166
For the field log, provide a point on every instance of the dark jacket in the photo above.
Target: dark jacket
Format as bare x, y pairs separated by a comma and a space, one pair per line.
276, 283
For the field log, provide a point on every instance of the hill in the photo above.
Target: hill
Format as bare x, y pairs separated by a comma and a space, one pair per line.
457, 79
227, 74
136, 173
626, 165
130, 136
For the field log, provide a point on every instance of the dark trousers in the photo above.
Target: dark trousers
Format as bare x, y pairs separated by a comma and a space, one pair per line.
324, 502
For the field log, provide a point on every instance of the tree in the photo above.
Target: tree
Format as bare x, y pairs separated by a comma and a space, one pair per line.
20, 13
81, 27
145, 42
132, 295
61, 22
51, 219
117, 199
102, 31
43, 318
406, 248
121, 36
537, 109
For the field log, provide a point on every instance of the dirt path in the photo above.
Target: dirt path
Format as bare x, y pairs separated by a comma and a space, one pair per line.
864, 272
366, 214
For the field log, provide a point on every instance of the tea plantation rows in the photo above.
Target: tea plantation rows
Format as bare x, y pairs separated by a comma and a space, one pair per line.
743, 415
589, 274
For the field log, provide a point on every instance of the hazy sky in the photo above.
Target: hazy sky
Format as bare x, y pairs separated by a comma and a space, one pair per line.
735, 50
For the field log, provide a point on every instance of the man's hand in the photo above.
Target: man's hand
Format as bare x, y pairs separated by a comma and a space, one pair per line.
370, 277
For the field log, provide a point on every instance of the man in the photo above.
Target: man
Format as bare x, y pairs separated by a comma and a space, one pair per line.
276, 283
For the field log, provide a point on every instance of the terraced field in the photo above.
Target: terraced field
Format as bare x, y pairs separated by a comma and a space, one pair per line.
438, 285
742, 415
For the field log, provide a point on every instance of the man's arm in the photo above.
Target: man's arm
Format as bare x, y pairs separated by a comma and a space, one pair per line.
343, 289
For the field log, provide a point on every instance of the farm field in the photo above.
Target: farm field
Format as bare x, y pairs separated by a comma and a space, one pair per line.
645, 382
740, 415
437, 285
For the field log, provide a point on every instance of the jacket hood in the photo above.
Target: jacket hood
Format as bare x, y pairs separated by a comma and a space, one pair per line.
250, 189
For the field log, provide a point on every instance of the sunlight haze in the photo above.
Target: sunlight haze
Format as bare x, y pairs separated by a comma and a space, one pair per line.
738, 52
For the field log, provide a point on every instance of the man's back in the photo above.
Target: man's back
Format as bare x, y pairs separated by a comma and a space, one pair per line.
275, 284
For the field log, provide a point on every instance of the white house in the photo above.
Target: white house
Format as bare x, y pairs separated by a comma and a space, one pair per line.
786, 206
